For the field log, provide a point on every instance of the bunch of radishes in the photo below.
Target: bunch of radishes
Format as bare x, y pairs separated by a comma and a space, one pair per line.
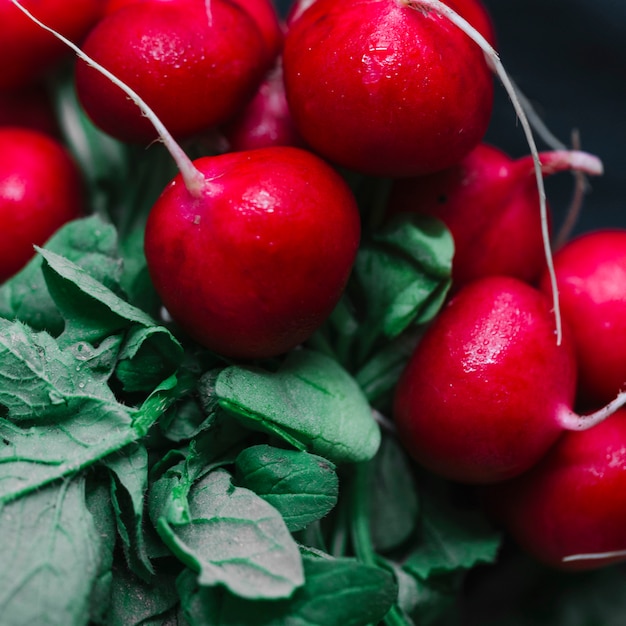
250, 247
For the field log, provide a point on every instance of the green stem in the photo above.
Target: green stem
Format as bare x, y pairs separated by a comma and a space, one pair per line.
361, 535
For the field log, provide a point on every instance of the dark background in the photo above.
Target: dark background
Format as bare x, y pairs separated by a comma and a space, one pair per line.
569, 59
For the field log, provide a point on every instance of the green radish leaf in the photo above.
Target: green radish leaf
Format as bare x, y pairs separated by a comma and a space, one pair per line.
379, 375
185, 420
40, 381
303, 487
135, 602
401, 277
53, 556
60, 418
232, 538
149, 355
337, 592
99, 504
429, 603
130, 469
451, 540
393, 502
91, 244
311, 402
91, 310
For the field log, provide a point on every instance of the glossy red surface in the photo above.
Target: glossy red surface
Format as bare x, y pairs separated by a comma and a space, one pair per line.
481, 397
383, 89
571, 504
28, 50
40, 190
254, 266
591, 274
194, 73
491, 206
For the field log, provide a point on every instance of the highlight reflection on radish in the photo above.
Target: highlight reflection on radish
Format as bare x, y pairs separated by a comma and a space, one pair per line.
383, 88
488, 390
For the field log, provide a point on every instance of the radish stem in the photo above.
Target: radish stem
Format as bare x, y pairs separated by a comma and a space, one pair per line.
573, 421
194, 180
494, 62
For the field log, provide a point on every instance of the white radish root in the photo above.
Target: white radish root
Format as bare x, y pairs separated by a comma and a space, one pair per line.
493, 60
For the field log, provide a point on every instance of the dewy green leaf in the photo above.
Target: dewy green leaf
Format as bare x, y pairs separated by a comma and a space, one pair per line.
235, 539
39, 380
337, 592
89, 242
311, 402
60, 418
51, 553
303, 487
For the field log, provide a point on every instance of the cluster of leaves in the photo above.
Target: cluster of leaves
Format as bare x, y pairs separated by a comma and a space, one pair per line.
144, 480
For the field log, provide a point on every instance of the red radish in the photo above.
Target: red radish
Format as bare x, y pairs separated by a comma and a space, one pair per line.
265, 16
591, 275
263, 12
249, 251
569, 511
256, 263
28, 51
488, 390
381, 88
474, 11
194, 67
490, 203
266, 120
40, 190
30, 107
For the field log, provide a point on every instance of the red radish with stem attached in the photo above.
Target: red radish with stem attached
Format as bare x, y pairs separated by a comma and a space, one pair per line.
375, 62
487, 390
250, 251
28, 51
490, 203
569, 511
194, 65
591, 274
41, 189
256, 263
383, 89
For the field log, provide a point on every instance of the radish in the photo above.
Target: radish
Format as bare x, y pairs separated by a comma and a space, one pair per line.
28, 51
253, 265
569, 511
384, 89
263, 13
249, 251
489, 202
266, 120
591, 274
41, 189
194, 63
487, 390
474, 11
